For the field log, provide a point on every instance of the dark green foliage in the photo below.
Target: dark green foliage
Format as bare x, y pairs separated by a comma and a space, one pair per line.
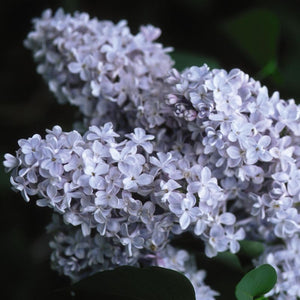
133, 283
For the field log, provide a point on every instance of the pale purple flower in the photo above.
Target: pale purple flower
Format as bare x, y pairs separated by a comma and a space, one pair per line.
108, 199
291, 177
93, 171
31, 149
283, 152
163, 161
207, 188
203, 220
219, 84
261, 103
218, 242
139, 138
286, 222
53, 161
167, 189
147, 212
105, 133
234, 237
23, 186
188, 211
82, 65
258, 151
135, 178
240, 131
130, 240
11, 162
236, 156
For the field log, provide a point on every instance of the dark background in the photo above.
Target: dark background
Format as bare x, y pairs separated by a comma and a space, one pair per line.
259, 37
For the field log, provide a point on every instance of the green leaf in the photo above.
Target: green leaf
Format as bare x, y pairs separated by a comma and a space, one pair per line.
185, 59
230, 260
251, 249
256, 33
269, 69
134, 283
256, 283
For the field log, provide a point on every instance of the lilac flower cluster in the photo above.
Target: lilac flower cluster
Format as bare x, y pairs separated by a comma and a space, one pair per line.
77, 256
124, 189
221, 160
251, 143
100, 66
250, 140
93, 180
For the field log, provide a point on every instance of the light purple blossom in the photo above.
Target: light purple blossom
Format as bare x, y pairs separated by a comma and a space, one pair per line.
139, 138
188, 211
258, 151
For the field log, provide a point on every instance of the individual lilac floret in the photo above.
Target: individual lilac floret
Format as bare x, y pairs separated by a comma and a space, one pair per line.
250, 143
100, 66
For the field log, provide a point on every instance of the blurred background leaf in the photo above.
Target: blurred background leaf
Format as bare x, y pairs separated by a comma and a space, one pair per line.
184, 59
251, 249
256, 33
